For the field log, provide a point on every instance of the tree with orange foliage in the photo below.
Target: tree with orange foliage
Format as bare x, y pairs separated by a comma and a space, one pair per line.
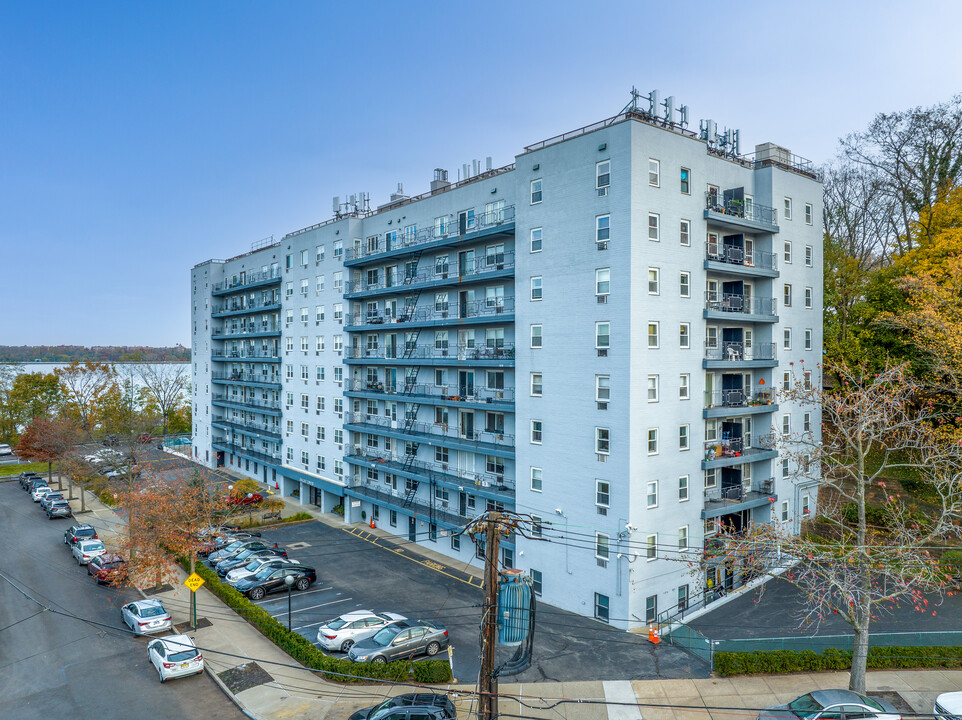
48, 441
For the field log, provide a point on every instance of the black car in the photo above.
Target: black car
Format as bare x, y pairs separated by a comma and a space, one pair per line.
410, 706
225, 566
76, 533
234, 549
34, 483
219, 543
270, 580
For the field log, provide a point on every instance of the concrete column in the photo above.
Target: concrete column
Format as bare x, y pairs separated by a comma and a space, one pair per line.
287, 486
305, 493
351, 514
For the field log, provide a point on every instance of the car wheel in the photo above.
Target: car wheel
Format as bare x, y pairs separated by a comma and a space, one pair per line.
432, 648
256, 594
160, 675
379, 659
347, 645
302, 584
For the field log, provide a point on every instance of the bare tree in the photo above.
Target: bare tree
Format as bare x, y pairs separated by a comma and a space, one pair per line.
871, 426
84, 387
166, 385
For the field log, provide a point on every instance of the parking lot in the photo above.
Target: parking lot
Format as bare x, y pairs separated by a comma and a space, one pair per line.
354, 574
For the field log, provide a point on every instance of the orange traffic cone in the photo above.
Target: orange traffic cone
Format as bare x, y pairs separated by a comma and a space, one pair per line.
653, 635
372, 523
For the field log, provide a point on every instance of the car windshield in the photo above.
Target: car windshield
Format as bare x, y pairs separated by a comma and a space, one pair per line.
113, 565
152, 611
234, 545
337, 625
253, 565
93, 546
384, 637
806, 706
265, 572
379, 711
182, 655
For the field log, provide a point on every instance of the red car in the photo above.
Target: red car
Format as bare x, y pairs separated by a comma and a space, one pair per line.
146, 437
251, 499
107, 568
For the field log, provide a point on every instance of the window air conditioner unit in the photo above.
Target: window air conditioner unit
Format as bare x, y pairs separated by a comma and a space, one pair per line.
602, 563
602, 244
601, 457
602, 352
602, 510
602, 406
602, 299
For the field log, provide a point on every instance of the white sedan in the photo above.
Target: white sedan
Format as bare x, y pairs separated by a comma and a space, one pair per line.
948, 706
237, 574
175, 656
40, 493
146, 616
343, 632
86, 550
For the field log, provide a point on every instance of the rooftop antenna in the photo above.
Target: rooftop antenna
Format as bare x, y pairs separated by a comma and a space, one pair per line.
632, 105
669, 106
736, 137
653, 104
337, 206
683, 116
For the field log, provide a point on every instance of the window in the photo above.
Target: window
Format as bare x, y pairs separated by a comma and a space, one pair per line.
319, 313
711, 478
319, 284
602, 440
684, 336
654, 172
809, 256
603, 174
652, 496
602, 493
682, 597
601, 607
536, 290
787, 252
289, 288
787, 295
683, 488
653, 224
808, 338
786, 425
683, 537
603, 229
535, 191
654, 284
536, 239
602, 335
338, 248
686, 181
684, 284
319, 253
537, 580
601, 546
685, 233
788, 208
602, 388
785, 471
651, 547
809, 214
536, 385
536, 431
787, 339
807, 379
653, 335
807, 422
806, 505
536, 337
784, 510
653, 441
602, 282
808, 298
683, 437
684, 386
537, 479
305, 430
652, 388
288, 261
338, 281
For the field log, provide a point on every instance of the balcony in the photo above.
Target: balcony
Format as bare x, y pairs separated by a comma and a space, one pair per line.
477, 312
248, 452
739, 308
255, 429
247, 404
483, 268
477, 395
243, 280
436, 510
724, 500
732, 355
243, 356
269, 381
728, 403
738, 214
496, 356
735, 451
229, 309
246, 331
447, 233
733, 260
443, 434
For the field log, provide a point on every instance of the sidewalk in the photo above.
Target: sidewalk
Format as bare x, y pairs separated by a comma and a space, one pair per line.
290, 691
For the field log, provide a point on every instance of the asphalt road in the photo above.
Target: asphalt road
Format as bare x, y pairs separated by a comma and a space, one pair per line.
53, 666
353, 574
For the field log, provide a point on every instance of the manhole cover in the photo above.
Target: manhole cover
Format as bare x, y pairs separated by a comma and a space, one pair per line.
244, 677
189, 626
157, 590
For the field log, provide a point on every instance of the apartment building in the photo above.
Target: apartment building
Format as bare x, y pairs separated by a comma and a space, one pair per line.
594, 336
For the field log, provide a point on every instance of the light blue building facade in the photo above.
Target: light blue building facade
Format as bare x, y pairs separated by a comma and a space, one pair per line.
595, 336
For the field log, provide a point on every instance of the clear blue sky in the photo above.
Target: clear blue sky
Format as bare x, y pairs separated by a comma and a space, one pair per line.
137, 139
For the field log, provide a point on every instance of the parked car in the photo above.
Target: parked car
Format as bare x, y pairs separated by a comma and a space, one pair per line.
222, 542
40, 491
269, 580
34, 484
59, 509
430, 706
146, 616
107, 568
175, 656
237, 574
831, 705
238, 546
145, 437
400, 640
249, 499
26, 477
49, 498
344, 631
242, 558
5, 449
111, 440
86, 550
76, 533
948, 706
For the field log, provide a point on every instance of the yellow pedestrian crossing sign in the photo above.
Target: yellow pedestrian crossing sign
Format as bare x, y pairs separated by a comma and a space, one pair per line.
194, 582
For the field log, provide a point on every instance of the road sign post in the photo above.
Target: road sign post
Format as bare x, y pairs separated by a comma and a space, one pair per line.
193, 582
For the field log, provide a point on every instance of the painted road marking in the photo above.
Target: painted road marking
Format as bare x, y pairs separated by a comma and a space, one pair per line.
620, 691
300, 593
314, 607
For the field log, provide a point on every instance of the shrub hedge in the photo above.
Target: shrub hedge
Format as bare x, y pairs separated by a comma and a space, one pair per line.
304, 651
788, 661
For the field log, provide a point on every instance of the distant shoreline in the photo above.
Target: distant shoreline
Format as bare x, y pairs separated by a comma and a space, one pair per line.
28, 355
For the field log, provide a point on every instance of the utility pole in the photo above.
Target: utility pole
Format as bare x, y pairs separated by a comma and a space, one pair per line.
487, 683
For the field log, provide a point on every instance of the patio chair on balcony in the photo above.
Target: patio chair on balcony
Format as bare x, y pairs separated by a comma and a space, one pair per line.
733, 353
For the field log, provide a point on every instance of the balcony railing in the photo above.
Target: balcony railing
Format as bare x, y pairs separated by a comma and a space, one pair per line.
262, 455
244, 279
737, 447
392, 462
474, 393
419, 352
483, 264
248, 425
715, 202
738, 493
248, 354
738, 351
445, 430
435, 313
737, 303
731, 255
248, 402
440, 509
440, 231
242, 330
247, 377
245, 307
738, 399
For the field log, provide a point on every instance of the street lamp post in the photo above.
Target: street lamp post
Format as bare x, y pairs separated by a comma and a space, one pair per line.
289, 581
250, 509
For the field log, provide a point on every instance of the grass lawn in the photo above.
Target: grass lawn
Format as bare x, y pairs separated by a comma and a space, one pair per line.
40, 468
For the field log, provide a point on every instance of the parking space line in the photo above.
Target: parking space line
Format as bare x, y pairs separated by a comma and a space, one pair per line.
313, 607
299, 594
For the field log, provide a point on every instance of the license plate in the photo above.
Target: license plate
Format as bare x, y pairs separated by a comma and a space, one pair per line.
186, 664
